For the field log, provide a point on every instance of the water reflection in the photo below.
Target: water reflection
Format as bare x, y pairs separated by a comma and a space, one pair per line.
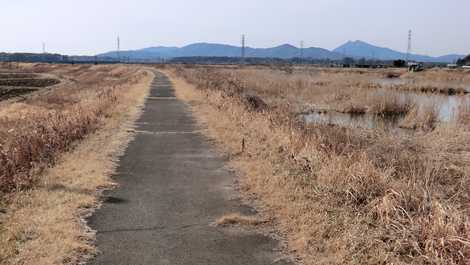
447, 108
365, 121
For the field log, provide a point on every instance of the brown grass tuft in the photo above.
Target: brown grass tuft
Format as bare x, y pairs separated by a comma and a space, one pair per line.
464, 114
388, 103
238, 219
424, 118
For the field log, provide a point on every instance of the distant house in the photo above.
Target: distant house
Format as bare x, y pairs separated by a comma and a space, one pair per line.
452, 66
415, 67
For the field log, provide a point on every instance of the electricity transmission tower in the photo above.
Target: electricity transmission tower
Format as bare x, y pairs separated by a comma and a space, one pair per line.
243, 49
118, 49
44, 57
408, 52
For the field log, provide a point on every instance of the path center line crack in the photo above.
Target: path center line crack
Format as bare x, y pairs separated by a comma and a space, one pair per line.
161, 98
163, 132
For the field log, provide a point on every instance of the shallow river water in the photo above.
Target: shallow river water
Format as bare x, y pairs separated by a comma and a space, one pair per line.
446, 106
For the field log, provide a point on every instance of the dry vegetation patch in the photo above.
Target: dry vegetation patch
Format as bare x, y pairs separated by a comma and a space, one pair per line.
29, 82
464, 114
421, 117
16, 75
238, 219
49, 123
340, 195
56, 149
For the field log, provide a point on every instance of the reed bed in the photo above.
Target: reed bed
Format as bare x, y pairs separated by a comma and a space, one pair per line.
441, 75
429, 87
423, 117
464, 114
341, 195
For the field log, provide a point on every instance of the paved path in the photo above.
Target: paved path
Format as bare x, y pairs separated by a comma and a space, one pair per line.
173, 185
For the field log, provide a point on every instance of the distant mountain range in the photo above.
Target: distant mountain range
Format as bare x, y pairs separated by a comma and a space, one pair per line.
360, 49
285, 51
355, 49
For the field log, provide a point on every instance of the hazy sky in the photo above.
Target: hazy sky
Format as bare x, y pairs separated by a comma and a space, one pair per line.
91, 26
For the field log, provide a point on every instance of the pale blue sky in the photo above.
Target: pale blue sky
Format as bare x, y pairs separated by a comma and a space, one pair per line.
91, 26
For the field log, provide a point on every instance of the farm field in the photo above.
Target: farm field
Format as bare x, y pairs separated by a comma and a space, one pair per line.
356, 166
14, 84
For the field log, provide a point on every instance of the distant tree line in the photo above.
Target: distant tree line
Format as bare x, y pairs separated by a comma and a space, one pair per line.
30, 57
345, 62
51, 58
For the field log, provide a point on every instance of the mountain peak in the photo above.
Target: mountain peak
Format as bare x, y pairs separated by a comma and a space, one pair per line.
362, 49
198, 44
286, 45
358, 42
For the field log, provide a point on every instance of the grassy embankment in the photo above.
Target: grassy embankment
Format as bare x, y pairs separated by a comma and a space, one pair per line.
340, 195
56, 148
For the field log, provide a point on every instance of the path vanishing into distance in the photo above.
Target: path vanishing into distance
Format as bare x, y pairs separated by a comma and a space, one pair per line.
172, 187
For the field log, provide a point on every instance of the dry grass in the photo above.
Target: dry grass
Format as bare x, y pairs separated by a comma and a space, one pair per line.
387, 103
449, 82
464, 115
442, 75
431, 87
238, 219
424, 117
29, 82
49, 123
380, 102
47, 198
341, 196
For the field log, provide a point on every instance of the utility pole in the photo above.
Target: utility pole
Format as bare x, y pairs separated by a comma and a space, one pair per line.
243, 49
301, 51
408, 52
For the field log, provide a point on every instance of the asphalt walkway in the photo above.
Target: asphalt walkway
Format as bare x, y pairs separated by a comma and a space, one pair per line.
173, 186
